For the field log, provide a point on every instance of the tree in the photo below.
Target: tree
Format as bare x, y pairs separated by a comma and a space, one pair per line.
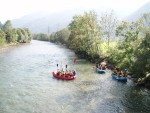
124, 56
52, 37
24, 35
20, 35
7, 26
41, 36
108, 23
28, 35
61, 36
11, 35
85, 33
142, 63
2, 37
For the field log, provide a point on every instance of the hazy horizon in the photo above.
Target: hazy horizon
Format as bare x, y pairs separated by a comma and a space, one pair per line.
19, 8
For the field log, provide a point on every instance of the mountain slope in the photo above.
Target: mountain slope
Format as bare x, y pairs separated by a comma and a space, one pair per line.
44, 22
139, 13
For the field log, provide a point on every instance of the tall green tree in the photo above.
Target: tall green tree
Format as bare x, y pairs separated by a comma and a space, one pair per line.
124, 55
142, 53
85, 33
11, 35
142, 63
24, 35
29, 35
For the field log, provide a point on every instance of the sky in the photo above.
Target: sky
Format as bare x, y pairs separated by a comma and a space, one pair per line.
12, 9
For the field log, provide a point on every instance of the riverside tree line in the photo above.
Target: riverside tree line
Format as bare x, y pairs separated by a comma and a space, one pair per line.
125, 45
9, 35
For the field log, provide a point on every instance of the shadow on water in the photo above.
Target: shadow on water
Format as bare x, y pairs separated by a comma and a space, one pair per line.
137, 100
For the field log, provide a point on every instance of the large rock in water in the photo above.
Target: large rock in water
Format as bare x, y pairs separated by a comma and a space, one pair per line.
144, 81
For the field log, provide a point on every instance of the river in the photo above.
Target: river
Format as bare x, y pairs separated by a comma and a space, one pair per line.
27, 84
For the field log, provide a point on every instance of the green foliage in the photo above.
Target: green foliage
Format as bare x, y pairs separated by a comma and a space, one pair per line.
9, 36
85, 34
52, 37
124, 56
2, 37
28, 35
13, 35
24, 35
60, 36
41, 36
20, 35
142, 63
133, 50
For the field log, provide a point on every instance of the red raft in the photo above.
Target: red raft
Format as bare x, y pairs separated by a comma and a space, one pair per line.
64, 77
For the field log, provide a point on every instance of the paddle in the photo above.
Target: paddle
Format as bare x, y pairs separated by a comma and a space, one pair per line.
66, 67
74, 60
57, 67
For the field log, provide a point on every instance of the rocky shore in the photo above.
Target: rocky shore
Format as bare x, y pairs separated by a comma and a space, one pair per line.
144, 82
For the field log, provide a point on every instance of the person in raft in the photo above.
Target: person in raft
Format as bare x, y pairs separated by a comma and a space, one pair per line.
68, 73
65, 73
118, 72
102, 67
58, 72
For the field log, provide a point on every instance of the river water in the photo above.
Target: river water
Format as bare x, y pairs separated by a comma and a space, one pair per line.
27, 85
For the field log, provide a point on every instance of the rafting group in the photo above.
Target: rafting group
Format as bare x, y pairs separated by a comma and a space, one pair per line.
65, 74
117, 73
100, 68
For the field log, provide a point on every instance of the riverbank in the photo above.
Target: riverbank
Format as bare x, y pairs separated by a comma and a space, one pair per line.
140, 82
8, 46
144, 82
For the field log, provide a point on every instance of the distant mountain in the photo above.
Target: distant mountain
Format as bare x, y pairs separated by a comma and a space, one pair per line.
44, 22
139, 13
